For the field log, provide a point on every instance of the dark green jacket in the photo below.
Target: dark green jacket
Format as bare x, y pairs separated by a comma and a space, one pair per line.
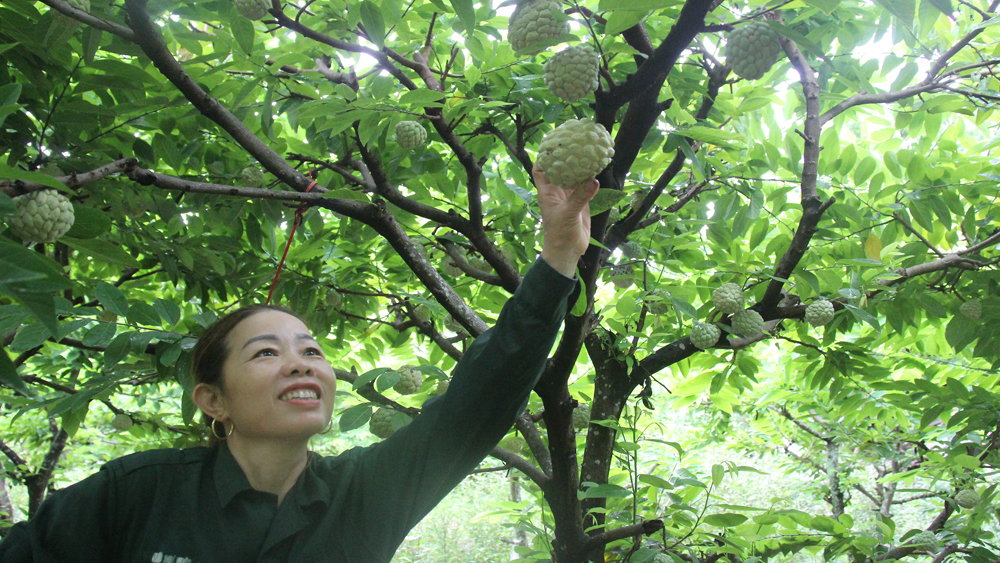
196, 505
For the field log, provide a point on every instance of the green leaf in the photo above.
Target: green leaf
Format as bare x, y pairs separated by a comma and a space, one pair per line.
962, 331
902, 9
620, 20
718, 472
466, 14
725, 519
118, 350
422, 97
373, 21
243, 32
100, 335
112, 298
604, 491
9, 376
97, 248
369, 376
355, 417
88, 222
712, 135
143, 314
605, 199
168, 310
865, 316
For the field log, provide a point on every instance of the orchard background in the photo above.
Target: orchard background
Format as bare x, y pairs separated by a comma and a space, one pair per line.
862, 168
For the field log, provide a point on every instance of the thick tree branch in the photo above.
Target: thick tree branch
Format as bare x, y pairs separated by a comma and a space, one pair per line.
148, 37
522, 465
93, 21
641, 529
20, 187
949, 261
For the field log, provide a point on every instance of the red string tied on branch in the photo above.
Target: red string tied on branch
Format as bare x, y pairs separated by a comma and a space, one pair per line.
298, 219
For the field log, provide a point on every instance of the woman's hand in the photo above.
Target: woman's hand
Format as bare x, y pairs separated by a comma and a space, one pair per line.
565, 222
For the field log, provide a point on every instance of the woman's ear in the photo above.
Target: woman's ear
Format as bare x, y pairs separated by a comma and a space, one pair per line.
209, 399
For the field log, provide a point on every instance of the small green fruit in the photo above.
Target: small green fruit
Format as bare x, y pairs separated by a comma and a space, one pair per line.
121, 422
410, 380
819, 312
410, 134
967, 498
622, 276
581, 417
575, 152
752, 49
252, 177
534, 21
380, 423
972, 309
42, 216
571, 74
632, 249
924, 539
252, 9
442, 387
705, 335
728, 299
748, 323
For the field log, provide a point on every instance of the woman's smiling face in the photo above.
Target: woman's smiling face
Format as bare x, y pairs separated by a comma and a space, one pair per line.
276, 381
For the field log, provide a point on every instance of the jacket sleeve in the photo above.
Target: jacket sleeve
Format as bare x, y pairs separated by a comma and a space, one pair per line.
70, 525
402, 478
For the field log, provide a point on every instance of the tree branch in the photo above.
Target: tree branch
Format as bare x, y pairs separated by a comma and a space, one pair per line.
93, 21
643, 528
522, 465
20, 187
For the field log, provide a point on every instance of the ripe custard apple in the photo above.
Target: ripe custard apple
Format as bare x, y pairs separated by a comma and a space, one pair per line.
410, 134
381, 423
705, 335
924, 538
728, 299
622, 276
534, 21
636, 199
971, 309
449, 267
422, 312
252, 9
409, 380
581, 417
968, 498
660, 302
748, 323
614, 216
121, 422
819, 312
42, 216
632, 249
572, 73
442, 387
575, 152
252, 176
752, 49
662, 558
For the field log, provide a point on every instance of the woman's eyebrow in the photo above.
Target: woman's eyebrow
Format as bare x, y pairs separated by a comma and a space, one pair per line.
301, 336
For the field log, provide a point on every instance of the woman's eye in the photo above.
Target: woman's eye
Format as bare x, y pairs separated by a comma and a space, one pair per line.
264, 352
313, 352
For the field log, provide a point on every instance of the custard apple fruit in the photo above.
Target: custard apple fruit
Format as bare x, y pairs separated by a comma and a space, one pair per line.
728, 298
410, 134
572, 73
514, 444
662, 558
658, 302
42, 216
380, 423
971, 309
581, 417
614, 216
449, 267
925, 539
748, 323
442, 387
636, 199
819, 312
622, 276
333, 298
409, 380
632, 249
534, 21
752, 49
252, 177
252, 9
121, 422
967, 498
422, 312
575, 152
705, 335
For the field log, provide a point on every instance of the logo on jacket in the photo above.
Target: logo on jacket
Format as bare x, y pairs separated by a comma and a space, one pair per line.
159, 557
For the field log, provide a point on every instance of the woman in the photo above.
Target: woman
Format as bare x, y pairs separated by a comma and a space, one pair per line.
258, 495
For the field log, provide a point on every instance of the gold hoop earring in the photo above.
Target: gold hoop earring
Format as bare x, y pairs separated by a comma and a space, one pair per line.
329, 427
225, 433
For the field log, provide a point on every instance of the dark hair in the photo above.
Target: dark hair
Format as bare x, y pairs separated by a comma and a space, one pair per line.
212, 351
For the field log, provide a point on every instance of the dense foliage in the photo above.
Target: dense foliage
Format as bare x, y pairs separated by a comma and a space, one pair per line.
861, 168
